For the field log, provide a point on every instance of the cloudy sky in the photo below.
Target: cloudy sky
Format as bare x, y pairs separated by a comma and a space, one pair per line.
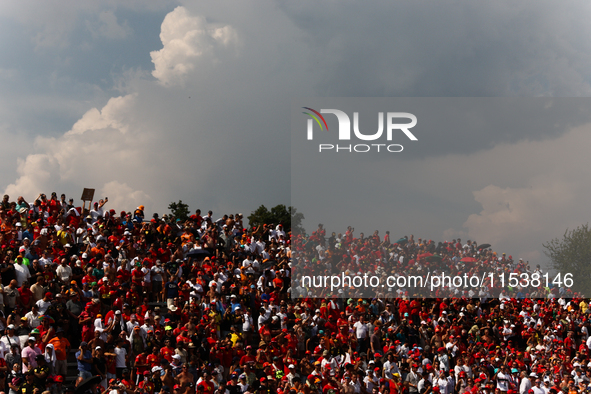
150, 102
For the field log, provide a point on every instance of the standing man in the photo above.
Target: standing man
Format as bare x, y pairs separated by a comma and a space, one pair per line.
412, 380
171, 291
84, 360
362, 332
61, 346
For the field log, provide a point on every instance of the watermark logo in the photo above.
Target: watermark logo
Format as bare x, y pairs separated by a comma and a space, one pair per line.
344, 133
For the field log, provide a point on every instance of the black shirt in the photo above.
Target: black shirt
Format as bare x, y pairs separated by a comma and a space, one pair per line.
27, 388
41, 369
8, 275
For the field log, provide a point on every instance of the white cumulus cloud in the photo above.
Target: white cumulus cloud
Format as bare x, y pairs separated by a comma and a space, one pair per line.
187, 40
102, 150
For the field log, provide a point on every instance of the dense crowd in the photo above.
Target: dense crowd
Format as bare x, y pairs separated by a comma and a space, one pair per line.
205, 305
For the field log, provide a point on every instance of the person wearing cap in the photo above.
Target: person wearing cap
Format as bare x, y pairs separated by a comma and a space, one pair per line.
145, 385
42, 370
29, 354
412, 379
61, 346
21, 270
44, 303
371, 379
292, 373
30, 385
84, 361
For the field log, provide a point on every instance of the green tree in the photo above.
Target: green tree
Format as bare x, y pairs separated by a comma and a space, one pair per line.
289, 216
180, 210
572, 255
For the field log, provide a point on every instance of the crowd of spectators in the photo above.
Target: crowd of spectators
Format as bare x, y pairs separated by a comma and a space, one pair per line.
159, 305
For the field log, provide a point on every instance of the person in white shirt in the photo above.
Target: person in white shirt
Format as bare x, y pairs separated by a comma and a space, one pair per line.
503, 377
44, 303
371, 380
525, 384
390, 367
22, 271
537, 388
33, 317
424, 382
120, 356
248, 324
362, 334
64, 271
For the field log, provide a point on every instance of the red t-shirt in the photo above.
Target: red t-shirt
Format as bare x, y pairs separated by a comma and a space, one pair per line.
141, 359
208, 387
167, 353
26, 294
153, 360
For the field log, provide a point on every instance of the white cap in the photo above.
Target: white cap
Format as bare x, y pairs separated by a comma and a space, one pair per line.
176, 357
291, 366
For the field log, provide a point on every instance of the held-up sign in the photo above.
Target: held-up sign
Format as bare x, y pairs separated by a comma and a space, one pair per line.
87, 194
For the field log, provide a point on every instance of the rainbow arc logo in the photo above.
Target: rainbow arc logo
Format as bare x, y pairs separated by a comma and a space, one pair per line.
318, 115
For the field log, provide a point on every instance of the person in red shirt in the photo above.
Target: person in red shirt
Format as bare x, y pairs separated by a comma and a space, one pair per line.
153, 359
208, 386
133, 296
167, 351
26, 295
141, 365
137, 276
249, 358
146, 386
105, 292
127, 381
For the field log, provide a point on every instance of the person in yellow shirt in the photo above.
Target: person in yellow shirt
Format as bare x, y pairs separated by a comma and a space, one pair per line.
584, 306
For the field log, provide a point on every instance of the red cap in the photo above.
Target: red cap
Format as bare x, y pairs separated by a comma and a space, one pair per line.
48, 295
